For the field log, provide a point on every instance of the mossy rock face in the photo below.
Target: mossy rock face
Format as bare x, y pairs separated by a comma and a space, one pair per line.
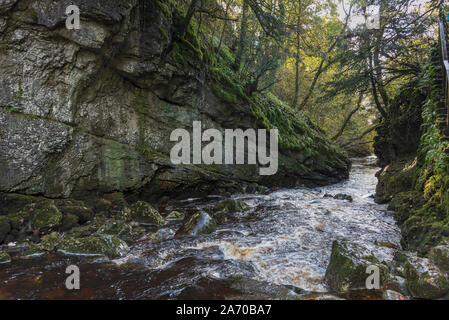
175, 215
199, 223
143, 213
404, 204
231, 205
424, 280
347, 269
439, 255
98, 245
5, 228
44, 216
395, 178
4, 257
13, 202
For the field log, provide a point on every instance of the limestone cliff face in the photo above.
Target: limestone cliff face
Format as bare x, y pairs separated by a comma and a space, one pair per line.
91, 110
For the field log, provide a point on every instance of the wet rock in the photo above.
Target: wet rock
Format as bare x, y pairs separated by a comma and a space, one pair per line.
392, 295
143, 213
347, 269
398, 284
119, 228
161, 235
339, 196
231, 205
342, 196
107, 245
439, 255
175, 215
424, 280
4, 257
199, 223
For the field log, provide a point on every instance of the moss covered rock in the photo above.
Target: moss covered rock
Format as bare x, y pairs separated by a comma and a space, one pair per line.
144, 213
175, 215
13, 202
44, 215
231, 205
161, 235
76, 208
424, 280
49, 242
439, 255
199, 223
98, 245
4, 257
119, 228
347, 269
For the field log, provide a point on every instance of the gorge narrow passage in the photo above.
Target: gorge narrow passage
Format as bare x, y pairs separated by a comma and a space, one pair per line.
282, 243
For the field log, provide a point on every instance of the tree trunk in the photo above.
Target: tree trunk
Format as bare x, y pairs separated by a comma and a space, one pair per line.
189, 15
242, 40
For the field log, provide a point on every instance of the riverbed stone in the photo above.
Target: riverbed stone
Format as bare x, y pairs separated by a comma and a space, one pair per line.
144, 213
107, 245
439, 255
118, 228
347, 269
424, 279
199, 223
231, 205
4, 257
175, 215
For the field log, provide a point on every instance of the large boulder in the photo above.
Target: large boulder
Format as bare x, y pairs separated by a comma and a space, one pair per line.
424, 279
199, 223
348, 264
4, 257
98, 245
439, 255
144, 213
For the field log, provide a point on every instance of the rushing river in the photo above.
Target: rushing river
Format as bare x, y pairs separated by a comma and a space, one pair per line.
279, 249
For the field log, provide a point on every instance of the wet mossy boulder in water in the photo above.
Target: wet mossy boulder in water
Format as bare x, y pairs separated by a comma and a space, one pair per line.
231, 205
228, 209
439, 255
98, 245
424, 279
4, 257
199, 223
44, 216
347, 269
144, 213
161, 235
119, 228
